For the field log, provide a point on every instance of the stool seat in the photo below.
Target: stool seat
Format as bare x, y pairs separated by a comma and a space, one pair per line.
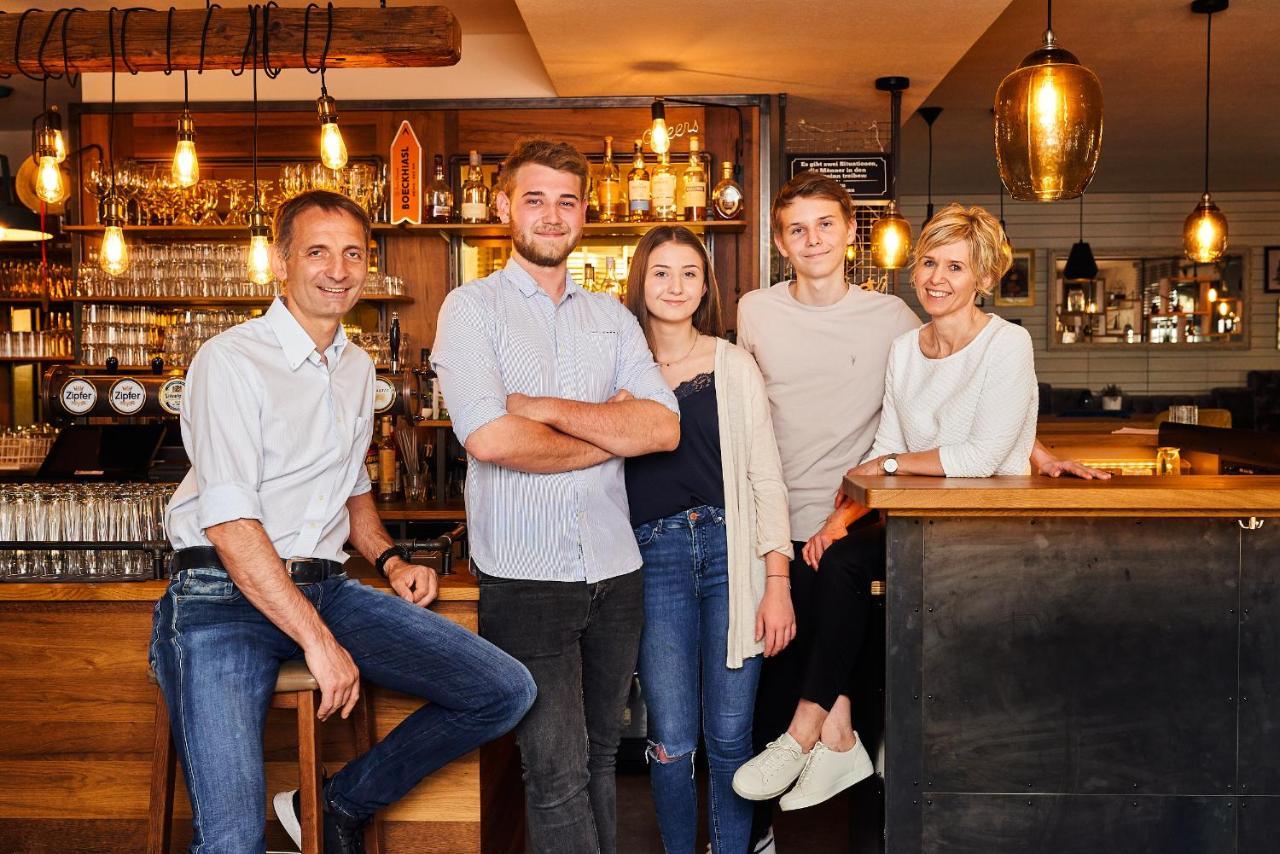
294, 676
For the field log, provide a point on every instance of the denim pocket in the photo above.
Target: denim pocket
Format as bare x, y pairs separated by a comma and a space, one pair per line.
206, 585
646, 533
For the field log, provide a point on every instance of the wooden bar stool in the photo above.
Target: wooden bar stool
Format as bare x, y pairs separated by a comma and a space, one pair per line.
296, 689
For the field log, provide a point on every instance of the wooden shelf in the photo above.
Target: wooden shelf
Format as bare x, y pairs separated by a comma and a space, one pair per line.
31, 300
22, 360
218, 300
222, 231
422, 511
591, 229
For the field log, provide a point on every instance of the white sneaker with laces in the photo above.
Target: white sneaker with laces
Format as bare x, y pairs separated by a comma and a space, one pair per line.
826, 773
288, 814
772, 771
764, 846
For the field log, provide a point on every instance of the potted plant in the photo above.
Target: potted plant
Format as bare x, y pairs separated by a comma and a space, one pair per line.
1112, 398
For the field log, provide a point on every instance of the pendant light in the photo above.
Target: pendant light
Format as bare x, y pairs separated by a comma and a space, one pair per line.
1080, 265
49, 151
113, 254
659, 137
186, 163
333, 149
259, 257
1204, 234
891, 233
930, 115
1048, 124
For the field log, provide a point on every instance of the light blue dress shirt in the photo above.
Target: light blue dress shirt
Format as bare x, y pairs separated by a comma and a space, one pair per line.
501, 335
274, 434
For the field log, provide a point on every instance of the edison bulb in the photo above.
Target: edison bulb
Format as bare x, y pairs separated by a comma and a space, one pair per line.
659, 138
333, 151
59, 145
186, 164
259, 260
49, 185
113, 256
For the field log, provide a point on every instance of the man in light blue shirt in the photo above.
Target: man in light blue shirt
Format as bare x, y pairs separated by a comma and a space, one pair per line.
549, 388
276, 420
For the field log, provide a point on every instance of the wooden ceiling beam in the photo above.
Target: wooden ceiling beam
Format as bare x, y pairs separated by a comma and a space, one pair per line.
397, 37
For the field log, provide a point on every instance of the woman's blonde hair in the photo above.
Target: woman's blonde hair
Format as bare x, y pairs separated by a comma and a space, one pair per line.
989, 253
706, 319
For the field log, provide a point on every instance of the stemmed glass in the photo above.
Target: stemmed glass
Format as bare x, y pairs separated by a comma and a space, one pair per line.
97, 181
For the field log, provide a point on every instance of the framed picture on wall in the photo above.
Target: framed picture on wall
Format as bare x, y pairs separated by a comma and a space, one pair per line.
1271, 273
1017, 287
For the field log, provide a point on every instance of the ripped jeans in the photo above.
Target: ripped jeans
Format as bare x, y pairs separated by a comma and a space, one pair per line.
687, 687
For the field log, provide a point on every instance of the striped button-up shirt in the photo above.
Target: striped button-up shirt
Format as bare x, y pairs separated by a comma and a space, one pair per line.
501, 335
274, 434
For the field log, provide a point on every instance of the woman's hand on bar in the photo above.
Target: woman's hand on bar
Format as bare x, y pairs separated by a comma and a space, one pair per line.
1050, 466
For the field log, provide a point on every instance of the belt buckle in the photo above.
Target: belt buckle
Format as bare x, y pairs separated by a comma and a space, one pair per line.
289, 564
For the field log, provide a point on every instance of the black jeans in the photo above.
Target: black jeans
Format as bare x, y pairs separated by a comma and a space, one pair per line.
833, 607
580, 642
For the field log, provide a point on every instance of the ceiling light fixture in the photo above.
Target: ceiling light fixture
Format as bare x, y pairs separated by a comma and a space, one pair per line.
1080, 265
333, 149
891, 233
659, 137
1204, 234
1048, 124
930, 115
113, 254
186, 162
259, 230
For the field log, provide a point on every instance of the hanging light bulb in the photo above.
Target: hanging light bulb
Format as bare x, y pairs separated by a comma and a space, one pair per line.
333, 150
259, 247
659, 137
53, 119
186, 163
890, 239
1048, 125
50, 187
113, 255
1204, 233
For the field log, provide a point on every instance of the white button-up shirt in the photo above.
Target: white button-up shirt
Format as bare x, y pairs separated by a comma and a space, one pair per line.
274, 434
500, 335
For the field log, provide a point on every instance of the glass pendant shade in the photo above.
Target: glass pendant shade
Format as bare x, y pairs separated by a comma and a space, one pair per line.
890, 239
1048, 126
1204, 234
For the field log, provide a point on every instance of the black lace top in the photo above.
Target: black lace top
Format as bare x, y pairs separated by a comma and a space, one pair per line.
665, 484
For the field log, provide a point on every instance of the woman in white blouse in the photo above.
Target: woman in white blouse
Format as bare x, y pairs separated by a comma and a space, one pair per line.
960, 396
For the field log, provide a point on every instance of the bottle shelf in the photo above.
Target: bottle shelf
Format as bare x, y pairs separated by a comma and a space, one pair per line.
443, 228
216, 301
26, 360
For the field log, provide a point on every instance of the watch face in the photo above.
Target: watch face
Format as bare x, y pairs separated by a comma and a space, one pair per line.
890, 466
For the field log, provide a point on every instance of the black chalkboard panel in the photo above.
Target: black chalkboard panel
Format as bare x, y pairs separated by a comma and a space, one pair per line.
866, 176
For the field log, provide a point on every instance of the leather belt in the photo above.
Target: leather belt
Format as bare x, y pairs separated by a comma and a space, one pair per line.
301, 570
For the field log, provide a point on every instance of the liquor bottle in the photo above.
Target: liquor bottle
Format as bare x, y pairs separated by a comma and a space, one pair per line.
638, 187
726, 199
439, 196
611, 285
493, 195
475, 195
664, 189
593, 200
371, 463
612, 200
388, 464
589, 279
693, 185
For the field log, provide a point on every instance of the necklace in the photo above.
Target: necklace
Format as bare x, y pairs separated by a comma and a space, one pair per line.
696, 336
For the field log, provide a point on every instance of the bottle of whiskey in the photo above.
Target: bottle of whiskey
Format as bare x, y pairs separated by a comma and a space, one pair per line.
727, 198
475, 195
612, 201
693, 185
664, 189
638, 187
593, 199
439, 196
388, 462
493, 195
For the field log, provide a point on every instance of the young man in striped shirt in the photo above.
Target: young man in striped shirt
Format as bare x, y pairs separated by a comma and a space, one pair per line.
549, 388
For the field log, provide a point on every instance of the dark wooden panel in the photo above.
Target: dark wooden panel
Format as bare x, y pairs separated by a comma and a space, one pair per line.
1259, 822
1060, 824
1260, 661
1063, 656
903, 762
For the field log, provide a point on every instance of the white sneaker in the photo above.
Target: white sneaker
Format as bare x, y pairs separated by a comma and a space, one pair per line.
764, 846
772, 771
287, 813
826, 773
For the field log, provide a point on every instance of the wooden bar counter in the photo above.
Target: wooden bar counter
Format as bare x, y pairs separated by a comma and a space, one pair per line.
76, 715
1081, 666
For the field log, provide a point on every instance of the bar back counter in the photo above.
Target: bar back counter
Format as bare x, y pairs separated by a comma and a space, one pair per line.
1081, 666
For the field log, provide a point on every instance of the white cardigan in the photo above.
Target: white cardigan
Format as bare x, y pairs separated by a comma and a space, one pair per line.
755, 497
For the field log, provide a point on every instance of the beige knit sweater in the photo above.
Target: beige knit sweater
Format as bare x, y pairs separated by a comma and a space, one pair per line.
755, 497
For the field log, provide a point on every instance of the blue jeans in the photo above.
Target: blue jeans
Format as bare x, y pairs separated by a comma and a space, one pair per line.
217, 656
686, 683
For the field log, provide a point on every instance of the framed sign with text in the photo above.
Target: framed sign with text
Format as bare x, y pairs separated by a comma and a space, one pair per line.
867, 177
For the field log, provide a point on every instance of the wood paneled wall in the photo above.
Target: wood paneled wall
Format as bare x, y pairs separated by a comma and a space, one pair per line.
1124, 224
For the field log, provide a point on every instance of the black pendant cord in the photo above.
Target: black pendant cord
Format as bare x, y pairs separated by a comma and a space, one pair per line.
1082, 217
111, 116
930, 173
1208, 51
255, 124
1049, 23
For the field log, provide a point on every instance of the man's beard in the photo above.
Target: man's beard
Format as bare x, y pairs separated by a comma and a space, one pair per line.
539, 253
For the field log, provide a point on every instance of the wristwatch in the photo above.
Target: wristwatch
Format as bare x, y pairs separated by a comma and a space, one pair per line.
395, 551
889, 465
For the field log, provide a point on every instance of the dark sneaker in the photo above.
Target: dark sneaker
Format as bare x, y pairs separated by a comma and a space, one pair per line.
340, 835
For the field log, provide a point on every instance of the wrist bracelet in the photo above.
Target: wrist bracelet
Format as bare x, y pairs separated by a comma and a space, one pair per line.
787, 577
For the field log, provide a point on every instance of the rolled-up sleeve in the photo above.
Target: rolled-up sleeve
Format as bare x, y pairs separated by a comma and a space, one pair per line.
466, 365
637, 372
221, 410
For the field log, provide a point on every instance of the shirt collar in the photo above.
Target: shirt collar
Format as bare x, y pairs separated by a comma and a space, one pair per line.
294, 340
520, 277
